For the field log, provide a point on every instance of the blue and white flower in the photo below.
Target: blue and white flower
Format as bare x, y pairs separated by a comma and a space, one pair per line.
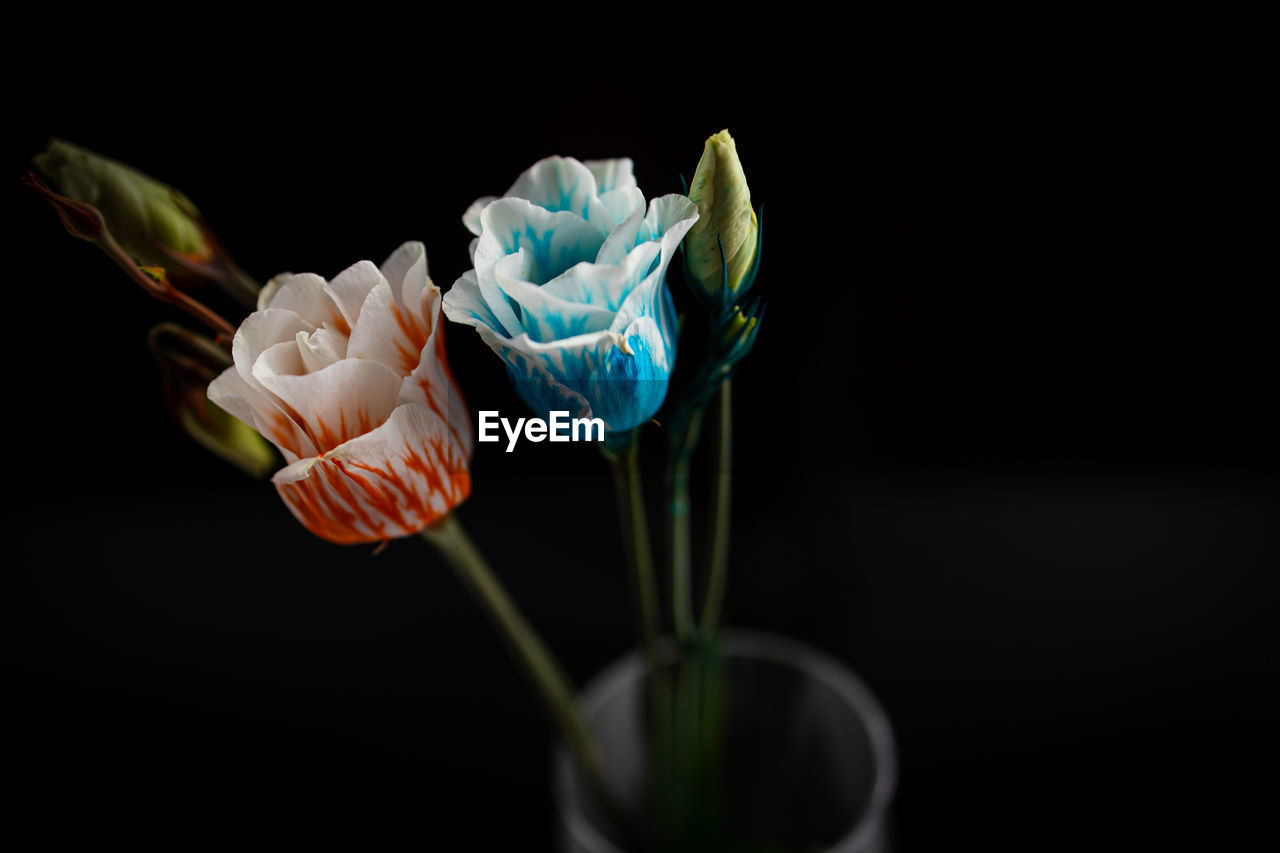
568, 287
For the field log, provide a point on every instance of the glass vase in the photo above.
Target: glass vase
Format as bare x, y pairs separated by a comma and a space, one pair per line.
807, 755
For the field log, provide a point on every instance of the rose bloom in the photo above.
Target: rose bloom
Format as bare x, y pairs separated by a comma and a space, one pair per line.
348, 378
569, 288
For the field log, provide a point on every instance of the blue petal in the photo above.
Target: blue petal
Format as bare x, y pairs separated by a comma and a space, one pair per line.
632, 387
606, 285
623, 387
544, 315
554, 241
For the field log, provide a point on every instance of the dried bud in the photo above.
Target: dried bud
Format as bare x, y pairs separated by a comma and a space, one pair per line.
151, 221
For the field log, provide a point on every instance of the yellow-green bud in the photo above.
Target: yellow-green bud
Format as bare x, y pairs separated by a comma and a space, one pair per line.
188, 362
739, 326
225, 436
723, 198
144, 216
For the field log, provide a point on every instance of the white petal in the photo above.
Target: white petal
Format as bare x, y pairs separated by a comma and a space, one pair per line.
406, 272
336, 404
387, 333
282, 359
612, 174
350, 287
622, 203
304, 294
260, 331
669, 218
464, 303
321, 348
471, 218
561, 183
622, 239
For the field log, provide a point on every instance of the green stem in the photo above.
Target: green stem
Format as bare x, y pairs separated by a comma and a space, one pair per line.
448, 536
721, 495
635, 535
679, 526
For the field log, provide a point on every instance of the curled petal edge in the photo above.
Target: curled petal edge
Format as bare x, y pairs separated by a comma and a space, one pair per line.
387, 483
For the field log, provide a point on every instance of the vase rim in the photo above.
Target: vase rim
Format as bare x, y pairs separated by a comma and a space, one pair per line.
758, 645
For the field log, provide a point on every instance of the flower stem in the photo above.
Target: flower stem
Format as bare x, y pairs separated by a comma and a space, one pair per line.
624, 461
721, 496
448, 536
679, 524
85, 223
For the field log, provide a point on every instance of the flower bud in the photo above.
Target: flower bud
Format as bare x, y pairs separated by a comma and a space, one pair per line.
726, 223
151, 221
188, 362
225, 437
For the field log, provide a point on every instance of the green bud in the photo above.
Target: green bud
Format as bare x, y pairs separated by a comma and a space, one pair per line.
725, 217
150, 220
188, 362
228, 438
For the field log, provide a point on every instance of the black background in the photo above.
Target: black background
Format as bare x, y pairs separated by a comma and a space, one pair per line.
1005, 445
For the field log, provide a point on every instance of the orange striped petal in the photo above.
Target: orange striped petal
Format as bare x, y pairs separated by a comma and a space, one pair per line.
387, 483
431, 383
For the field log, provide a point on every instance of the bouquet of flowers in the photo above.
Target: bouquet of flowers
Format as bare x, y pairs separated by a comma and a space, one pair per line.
340, 390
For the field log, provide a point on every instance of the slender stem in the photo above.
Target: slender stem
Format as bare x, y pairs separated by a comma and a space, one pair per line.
721, 495
163, 290
469, 565
220, 268
85, 222
679, 527
635, 535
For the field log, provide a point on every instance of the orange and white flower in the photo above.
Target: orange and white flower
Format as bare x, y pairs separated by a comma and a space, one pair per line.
348, 378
